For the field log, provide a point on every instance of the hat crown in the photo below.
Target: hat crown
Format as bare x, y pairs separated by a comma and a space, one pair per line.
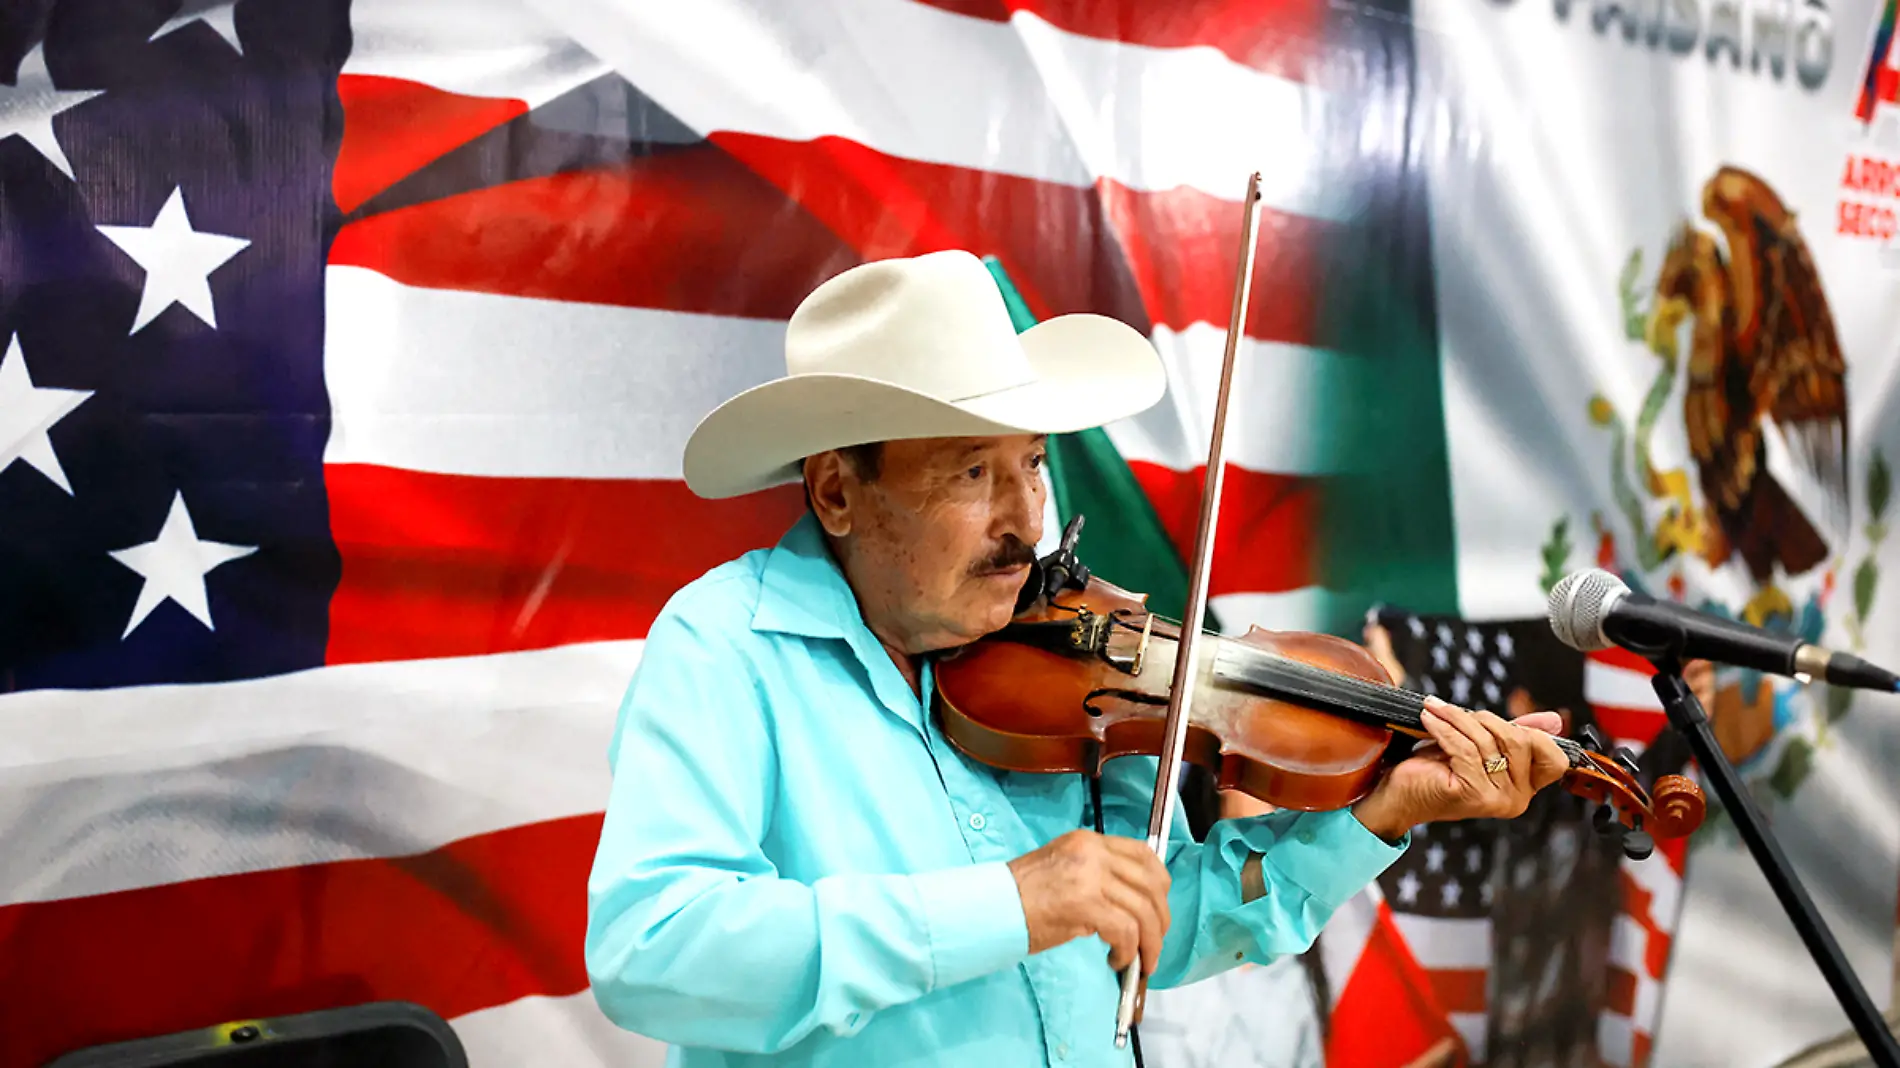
934, 323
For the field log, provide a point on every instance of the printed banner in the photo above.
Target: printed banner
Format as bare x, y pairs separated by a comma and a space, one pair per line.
350, 347
1669, 302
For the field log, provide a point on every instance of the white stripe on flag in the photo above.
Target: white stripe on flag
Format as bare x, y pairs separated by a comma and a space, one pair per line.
135, 787
465, 383
1629, 949
1022, 98
1616, 687
1616, 1040
1470, 1027
1664, 886
488, 48
535, 1032
1447, 944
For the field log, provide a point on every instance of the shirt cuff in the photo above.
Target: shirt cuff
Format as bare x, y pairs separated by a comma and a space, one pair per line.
1333, 855
975, 919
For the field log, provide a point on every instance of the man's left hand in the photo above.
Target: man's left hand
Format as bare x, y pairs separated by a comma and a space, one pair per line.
1445, 778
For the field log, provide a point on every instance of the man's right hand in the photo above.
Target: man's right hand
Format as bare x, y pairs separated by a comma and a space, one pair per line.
1085, 883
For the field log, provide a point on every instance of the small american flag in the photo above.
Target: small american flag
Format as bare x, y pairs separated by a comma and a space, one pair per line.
1512, 920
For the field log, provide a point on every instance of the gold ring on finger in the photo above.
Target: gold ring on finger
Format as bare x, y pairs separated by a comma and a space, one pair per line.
1497, 764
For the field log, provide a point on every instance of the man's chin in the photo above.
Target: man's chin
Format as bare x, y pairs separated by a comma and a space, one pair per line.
984, 618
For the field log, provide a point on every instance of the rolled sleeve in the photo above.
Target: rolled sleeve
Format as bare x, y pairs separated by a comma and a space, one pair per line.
975, 921
1331, 855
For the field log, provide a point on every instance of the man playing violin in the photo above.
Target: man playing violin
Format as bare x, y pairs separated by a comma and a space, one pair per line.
796, 865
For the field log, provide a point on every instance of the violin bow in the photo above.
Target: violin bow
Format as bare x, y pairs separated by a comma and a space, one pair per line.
1181, 693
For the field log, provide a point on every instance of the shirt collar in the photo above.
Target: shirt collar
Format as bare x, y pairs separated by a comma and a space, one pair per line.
802, 589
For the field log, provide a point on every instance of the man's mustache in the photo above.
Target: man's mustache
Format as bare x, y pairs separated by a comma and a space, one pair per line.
1012, 552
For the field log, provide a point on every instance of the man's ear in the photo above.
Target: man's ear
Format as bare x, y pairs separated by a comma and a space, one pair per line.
825, 492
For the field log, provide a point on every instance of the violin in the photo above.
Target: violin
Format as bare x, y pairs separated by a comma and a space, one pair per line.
1085, 673
1299, 720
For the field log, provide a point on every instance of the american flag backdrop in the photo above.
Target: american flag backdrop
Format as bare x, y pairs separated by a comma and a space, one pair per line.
349, 350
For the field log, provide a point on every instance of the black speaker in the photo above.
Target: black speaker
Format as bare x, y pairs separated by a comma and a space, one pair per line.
382, 1034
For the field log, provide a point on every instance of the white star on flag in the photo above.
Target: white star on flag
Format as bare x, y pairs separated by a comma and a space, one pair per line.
28, 105
174, 566
220, 17
178, 261
27, 412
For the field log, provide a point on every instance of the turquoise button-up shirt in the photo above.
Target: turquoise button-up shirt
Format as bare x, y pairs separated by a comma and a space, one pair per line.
796, 868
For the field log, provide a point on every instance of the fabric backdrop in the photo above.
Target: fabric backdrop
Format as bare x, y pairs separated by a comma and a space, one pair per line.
351, 345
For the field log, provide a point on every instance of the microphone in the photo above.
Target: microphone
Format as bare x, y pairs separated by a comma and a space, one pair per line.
1592, 609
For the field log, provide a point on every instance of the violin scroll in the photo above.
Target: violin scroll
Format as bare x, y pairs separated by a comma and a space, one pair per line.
1673, 808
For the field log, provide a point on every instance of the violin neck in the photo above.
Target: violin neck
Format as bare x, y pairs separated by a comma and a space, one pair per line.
1377, 703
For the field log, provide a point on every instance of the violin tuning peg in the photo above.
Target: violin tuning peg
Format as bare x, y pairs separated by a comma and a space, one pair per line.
1637, 845
1603, 820
1591, 738
1627, 759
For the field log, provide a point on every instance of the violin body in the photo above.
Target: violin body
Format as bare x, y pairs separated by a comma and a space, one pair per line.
1024, 702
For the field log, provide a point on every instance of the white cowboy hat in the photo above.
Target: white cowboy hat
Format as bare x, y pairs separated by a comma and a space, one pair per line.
918, 348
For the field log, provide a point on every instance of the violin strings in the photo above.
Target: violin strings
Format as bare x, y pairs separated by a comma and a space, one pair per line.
1398, 705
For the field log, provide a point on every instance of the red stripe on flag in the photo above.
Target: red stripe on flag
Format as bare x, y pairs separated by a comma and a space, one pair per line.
1181, 246
1618, 657
1264, 543
1629, 725
453, 565
392, 127
1067, 248
476, 923
1458, 989
748, 234
1619, 992
1639, 905
1279, 36
1386, 1013
687, 229
1051, 238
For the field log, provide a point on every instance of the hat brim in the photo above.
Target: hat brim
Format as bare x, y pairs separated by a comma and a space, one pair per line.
1089, 370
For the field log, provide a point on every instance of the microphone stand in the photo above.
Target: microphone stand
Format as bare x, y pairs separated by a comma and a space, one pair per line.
1689, 718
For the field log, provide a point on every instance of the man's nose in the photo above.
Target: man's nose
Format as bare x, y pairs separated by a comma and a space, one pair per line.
1019, 507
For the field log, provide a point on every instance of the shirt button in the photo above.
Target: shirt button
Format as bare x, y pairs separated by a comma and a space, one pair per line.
977, 822
1305, 834
1062, 1050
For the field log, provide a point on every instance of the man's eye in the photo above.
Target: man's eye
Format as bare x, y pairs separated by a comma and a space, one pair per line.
1037, 460
975, 472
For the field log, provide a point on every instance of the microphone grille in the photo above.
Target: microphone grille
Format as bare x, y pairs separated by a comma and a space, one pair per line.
1578, 604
